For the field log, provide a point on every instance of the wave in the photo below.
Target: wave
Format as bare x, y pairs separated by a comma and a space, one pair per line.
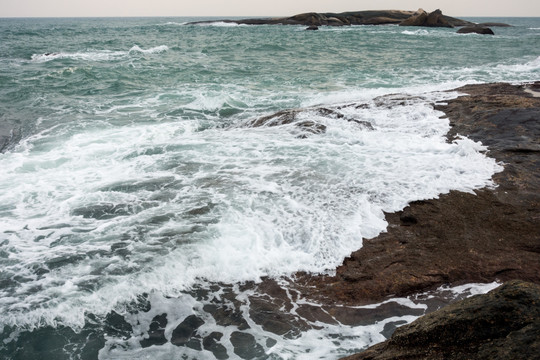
530, 66
415, 32
97, 55
225, 205
221, 24
103, 55
154, 50
173, 23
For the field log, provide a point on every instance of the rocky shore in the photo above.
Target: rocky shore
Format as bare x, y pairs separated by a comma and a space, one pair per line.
489, 235
492, 234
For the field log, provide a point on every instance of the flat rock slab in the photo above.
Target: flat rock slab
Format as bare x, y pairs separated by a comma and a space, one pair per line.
493, 234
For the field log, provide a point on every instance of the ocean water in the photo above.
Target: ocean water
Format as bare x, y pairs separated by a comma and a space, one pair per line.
141, 204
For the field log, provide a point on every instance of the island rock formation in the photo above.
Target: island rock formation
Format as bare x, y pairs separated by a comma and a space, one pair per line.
369, 17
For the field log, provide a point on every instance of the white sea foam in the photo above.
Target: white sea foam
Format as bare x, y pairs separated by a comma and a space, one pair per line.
220, 24
222, 205
154, 50
104, 55
422, 32
97, 55
328, 339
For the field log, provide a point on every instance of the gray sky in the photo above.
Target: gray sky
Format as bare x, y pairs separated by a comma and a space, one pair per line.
62, 8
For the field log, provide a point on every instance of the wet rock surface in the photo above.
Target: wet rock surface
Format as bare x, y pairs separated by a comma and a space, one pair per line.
307, 121
492, 234
503, 324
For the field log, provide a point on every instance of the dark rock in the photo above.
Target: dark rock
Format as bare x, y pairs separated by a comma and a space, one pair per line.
156, 333
116, 325
211, 343
422, 18
307, 127
272, 311
226, 316
246, 347
476, 30
436, 19
503, 324
312, 27
9, 135
182, 335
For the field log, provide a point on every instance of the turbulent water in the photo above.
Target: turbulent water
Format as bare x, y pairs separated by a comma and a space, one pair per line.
138, 200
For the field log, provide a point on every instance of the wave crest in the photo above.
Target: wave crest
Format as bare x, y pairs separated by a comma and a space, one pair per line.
97, 55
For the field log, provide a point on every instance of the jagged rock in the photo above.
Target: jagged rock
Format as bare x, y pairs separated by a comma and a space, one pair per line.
422, 18
436, 19
185, 332
503, 324
476, 30
156, 332
417, 19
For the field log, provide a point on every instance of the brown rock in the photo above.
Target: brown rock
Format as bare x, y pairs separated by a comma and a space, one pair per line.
503, 324
417, 19
436, 19
493, 234
422, 18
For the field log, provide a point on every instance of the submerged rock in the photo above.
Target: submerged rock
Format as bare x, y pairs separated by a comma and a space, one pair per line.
312, 27
9, 135
476, 30
503, 324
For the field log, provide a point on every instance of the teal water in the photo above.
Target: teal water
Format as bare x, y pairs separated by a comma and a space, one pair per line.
132, 181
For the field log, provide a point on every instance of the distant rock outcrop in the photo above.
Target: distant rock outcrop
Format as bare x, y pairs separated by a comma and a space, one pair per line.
422, 18
369, 17
476, 30
503, 324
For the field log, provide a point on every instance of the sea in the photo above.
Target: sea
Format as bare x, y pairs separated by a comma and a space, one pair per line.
147, 190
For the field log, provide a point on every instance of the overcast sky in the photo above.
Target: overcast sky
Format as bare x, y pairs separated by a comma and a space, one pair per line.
63, 8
